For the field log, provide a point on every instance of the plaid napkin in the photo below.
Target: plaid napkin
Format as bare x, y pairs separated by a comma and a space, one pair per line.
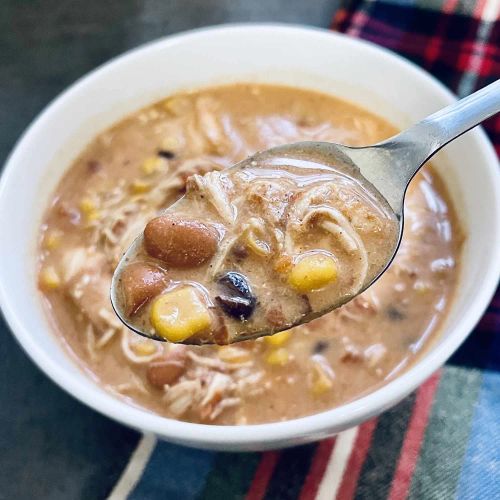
442, 441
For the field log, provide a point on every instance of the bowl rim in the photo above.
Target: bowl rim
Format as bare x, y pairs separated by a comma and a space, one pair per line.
241, 436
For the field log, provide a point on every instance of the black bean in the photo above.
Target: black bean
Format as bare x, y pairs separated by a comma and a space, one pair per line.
236, 307
320, 346
165, 153
395, 314
236, 283
237, 299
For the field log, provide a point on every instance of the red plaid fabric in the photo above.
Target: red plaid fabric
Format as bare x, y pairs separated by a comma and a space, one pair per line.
457, 42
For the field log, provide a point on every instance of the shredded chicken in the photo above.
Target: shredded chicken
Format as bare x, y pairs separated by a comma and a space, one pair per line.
179, 398
90, 342
215, 187
340, 233
374, 354
224, 248
134, 384
219, 384
106, 338
127, 339
216, 364
357, 308
73, 262
255, 227
212, 126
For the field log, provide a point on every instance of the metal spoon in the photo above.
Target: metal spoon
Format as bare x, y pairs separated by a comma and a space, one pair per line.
387, 167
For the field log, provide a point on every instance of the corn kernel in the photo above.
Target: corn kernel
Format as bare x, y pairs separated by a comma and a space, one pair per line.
278, 357
144, 348
321, 381
231, 354
49, 279
52, 240
179, 314
94, 215
87, 206
140, 187
151, 165
89, 209
313, 272
278, 339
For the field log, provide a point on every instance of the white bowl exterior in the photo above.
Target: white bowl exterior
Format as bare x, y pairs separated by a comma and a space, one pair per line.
310, 58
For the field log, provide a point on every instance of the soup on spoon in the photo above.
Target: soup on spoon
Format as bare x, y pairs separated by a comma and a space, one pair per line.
272, 242
282, 237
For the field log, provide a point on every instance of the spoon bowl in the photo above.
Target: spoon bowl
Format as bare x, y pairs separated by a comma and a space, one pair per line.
330, 158
383, 170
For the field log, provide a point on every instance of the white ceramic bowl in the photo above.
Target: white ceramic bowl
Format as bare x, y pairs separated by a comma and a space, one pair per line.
360, 72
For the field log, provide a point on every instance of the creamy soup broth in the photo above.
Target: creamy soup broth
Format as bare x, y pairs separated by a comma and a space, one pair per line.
132, 171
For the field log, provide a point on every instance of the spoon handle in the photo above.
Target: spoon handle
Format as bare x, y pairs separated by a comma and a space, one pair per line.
427, 137
390, 165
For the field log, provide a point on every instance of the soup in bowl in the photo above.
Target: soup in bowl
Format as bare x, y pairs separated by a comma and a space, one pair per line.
129, 173
121, 157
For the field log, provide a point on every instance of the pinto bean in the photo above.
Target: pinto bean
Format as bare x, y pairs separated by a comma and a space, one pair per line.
168, 369
140, 283
180, 242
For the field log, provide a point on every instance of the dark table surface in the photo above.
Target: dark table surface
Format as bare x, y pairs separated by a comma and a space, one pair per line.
51, 446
